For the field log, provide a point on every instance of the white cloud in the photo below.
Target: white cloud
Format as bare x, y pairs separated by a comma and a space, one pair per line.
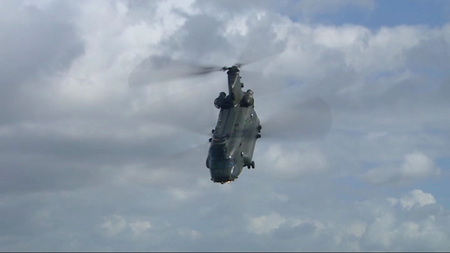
372, 225
415, 197
291, 163
418, 165
189, 233
415, 166
395, 229
139, 227
113, 225
265, 223
116, 224
182, 194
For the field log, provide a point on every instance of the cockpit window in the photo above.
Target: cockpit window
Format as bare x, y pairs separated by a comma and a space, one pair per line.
221, 163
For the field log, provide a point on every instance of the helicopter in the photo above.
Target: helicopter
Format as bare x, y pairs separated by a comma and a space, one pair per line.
238, 126
237, 129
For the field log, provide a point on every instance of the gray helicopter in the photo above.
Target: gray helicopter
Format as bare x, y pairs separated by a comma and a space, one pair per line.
238, 126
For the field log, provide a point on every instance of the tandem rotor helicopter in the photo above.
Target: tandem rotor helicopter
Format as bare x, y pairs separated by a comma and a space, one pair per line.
238, 127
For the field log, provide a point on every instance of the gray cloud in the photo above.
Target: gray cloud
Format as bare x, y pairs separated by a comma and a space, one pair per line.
35, 44
199, 36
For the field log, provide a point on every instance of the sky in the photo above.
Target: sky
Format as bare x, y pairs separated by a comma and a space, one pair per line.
90, 162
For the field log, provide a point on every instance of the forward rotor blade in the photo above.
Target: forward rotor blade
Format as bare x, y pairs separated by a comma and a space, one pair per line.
254, 51
306, 120
244, 62
158, 69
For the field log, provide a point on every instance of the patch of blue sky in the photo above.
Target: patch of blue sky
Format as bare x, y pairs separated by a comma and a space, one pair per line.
432, 13
376, 76
430, 71
444, 164
294, 82
352, 189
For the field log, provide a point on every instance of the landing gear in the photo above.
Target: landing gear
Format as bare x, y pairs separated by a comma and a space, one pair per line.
252, 165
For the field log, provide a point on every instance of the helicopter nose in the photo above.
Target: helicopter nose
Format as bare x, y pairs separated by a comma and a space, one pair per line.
220, 175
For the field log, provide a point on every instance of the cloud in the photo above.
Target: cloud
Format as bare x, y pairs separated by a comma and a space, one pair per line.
139, 227
113, 225
404, 228
415, 166
414, 197
265, 223
376, 225
292, 163
185, 232
36, 43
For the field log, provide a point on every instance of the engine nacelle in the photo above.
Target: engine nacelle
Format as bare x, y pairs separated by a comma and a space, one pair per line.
247, 100
223, 101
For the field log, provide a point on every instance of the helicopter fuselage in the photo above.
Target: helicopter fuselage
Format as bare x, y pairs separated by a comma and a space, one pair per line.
237, 129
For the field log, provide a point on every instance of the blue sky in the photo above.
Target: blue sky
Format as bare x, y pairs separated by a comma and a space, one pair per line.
385, 13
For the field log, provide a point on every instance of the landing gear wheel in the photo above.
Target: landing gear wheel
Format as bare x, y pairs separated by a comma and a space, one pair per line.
259, 128
252, 164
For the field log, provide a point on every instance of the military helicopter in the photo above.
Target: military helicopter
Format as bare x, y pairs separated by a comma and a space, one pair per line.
238, 126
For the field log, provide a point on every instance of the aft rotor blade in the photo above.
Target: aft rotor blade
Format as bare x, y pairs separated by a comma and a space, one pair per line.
245, 62
159, 69
306, 120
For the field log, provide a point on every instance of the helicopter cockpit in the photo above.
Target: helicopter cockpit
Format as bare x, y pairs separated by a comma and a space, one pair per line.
221, 169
